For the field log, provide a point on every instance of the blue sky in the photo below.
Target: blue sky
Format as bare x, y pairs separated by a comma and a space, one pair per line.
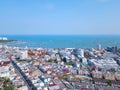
59, 16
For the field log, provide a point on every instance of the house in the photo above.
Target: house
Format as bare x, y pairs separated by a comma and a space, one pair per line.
109, 76
17, 82
23, 88
36, 73
53, 87
117, 75
1, 84
36, 63
97, 74
4, 71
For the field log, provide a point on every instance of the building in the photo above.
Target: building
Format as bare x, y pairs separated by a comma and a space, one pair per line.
82, 52
109, 76
0, 38
36, 73
53, 87
84, 61
1, 84
24, 54
104, 64
4, 71
79, 52
117, 75
99, 47
18, 82
97, 74
112, 49
23, 88
4, 68
3, 38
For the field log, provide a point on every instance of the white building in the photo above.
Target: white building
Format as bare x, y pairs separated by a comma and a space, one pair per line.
82, 52
23, 88
84, 60
104, 64
99, 47
24, 54
3, 38
1, 46
4, 71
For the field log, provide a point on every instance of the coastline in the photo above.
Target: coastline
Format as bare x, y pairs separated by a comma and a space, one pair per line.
6, 41
62, 41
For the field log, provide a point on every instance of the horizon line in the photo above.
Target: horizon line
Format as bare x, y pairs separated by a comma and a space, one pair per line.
59, 34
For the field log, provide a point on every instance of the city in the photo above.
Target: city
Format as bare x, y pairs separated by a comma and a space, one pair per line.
59, 44
59, 68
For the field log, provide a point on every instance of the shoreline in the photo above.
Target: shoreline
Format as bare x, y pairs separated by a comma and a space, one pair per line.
6, 41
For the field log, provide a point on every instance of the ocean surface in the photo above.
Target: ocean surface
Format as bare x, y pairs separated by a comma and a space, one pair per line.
63, 41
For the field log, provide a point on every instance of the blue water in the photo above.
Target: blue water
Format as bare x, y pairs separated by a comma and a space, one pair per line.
64, 41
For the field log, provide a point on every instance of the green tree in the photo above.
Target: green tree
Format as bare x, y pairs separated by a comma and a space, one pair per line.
109, 83
9, 88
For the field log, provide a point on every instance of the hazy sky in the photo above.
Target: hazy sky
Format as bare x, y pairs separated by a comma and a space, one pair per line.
59, 16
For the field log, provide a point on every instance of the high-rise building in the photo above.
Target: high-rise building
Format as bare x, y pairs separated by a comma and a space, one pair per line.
112, 49
24, 54
84, 60
82, 52
99, 47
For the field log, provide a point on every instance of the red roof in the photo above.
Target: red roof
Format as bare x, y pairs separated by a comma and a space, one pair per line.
5, 63
1, 83
51, 85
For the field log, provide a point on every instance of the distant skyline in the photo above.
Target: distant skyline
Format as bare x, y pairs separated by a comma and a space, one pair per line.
64, 17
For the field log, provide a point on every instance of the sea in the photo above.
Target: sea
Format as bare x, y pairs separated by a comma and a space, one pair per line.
63, 41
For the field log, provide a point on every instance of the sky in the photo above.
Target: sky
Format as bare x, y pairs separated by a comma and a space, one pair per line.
62, 17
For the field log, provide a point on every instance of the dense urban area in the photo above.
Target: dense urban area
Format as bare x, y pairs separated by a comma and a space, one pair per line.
59, 68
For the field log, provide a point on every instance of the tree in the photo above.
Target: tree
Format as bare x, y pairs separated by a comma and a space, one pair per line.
109, 83
50, 60
9, 88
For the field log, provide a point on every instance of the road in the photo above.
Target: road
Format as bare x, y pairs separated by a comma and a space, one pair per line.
27, 82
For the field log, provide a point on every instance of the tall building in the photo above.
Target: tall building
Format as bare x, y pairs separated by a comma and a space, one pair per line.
112, 49
99, 47
84, 61
24, 54
82, 52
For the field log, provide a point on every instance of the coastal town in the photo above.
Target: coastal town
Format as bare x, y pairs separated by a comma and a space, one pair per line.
59, 44
59, 68
5, 40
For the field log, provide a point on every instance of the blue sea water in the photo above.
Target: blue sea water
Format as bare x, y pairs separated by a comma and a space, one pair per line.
64, 41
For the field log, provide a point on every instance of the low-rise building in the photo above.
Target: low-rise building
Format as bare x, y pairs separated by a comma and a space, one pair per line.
109, 76
36, 73
23, 88
4, 68
53, 87
97, 74
117, 75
